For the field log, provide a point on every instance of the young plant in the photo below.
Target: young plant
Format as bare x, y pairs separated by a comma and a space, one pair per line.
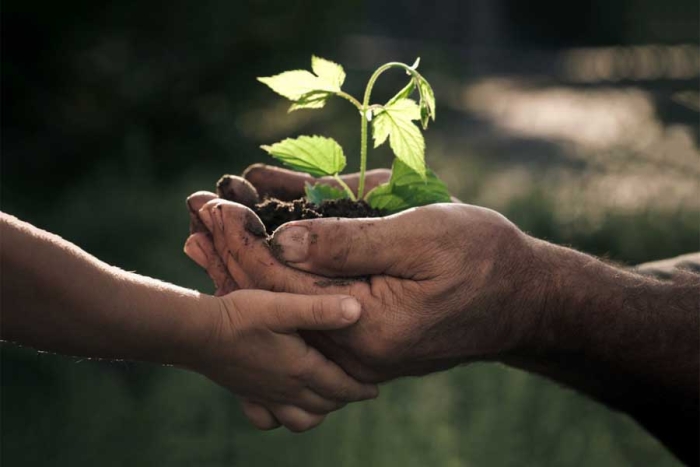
411, 183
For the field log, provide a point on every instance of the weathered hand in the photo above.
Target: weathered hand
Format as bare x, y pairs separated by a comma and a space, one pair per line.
260, 180
445, 281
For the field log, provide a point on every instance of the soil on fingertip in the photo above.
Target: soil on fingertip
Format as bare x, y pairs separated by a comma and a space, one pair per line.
274, 212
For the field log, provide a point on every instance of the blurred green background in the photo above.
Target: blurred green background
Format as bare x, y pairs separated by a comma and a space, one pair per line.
577, 120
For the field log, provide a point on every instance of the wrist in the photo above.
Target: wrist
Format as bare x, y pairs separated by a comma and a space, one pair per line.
172, 325
199, 329
545, 304
560, 281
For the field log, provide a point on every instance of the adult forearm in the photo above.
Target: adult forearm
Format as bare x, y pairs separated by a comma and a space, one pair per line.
56, 297
629, 341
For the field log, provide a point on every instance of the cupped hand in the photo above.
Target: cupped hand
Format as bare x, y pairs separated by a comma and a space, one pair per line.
259, 181
439, 285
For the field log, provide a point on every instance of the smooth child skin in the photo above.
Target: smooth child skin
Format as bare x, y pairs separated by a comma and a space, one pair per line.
56, 297
448, 284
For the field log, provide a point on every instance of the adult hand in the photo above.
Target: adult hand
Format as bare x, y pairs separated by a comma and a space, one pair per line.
260, 181
303, 363
424, 304
448, 284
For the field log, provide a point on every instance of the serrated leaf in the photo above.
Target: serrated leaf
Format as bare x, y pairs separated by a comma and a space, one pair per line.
320, 192
306, 90
314, 155
328, 71
297, 83
407, 189
395, 122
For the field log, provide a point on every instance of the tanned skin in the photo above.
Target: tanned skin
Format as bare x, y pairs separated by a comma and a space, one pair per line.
449, 284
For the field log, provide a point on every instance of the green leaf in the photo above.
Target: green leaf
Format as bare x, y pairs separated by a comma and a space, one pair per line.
382, 197
314, 155
404, 93
407, 189
320, 192
427, 101
328, 71
394, 121
297, 83
312, 100
306, 90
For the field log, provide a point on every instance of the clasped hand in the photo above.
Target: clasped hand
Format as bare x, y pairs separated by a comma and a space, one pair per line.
414, 274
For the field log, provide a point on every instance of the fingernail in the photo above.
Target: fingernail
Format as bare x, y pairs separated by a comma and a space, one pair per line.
292, 244
196, 253
205, 216
350, 308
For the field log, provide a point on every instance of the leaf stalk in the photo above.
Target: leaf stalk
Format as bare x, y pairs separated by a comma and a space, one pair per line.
345, 187
363, 115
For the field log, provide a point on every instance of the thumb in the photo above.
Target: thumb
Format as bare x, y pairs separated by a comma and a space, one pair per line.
350, 247
289, 313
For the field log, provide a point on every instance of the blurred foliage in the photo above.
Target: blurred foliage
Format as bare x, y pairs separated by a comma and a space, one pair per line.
114, 111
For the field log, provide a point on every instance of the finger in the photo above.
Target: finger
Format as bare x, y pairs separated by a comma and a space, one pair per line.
287, 184
288, 313
200, 249
295, 418
330, 381
259, 416
330, 349
194, 203
237, 189
313, 402
355, 247
240, 240
372, 179
276, 182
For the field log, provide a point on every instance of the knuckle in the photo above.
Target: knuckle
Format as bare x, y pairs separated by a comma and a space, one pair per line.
383, 349
277, 314
341, 255
318, 312
301, 369
344, 393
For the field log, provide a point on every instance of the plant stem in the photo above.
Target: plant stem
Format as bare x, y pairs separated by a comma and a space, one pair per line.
349, 98
345, 187
363, 115
363, 154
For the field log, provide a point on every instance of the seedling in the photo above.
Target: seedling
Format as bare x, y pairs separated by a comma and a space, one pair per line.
411, 183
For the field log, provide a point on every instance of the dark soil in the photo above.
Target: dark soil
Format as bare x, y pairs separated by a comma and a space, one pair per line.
274, 212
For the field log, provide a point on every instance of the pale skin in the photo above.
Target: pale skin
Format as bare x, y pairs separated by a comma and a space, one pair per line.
450, 284
58, 298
